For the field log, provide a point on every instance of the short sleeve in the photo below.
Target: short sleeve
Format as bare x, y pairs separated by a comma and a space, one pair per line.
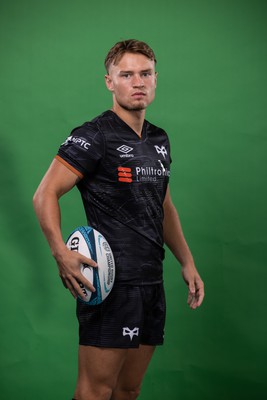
83, 149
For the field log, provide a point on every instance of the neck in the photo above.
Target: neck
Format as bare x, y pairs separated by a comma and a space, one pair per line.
135, 119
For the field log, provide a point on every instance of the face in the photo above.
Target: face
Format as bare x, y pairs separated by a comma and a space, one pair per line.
132, 82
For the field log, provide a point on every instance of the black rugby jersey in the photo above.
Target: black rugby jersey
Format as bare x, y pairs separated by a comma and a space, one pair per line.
123, 186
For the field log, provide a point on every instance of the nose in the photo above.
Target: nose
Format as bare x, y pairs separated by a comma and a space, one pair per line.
137, 81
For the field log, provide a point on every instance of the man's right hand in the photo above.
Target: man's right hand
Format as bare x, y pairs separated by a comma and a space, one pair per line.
69, 265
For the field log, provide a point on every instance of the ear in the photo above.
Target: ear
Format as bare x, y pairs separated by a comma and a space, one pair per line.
156, 78
109, 83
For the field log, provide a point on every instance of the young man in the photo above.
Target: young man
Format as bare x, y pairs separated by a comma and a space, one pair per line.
121, 165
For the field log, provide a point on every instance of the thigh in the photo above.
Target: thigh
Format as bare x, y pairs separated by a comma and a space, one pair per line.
98, 370
133, 370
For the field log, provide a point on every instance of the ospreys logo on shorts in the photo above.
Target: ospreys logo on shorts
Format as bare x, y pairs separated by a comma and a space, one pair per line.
131, 333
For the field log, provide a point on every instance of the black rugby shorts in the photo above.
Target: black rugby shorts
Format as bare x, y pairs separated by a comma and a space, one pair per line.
128, 317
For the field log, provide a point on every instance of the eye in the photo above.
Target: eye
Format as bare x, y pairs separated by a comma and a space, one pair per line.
126, 75
146, 74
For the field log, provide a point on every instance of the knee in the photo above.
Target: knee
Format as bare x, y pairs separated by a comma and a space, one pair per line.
133, 394
99, 393
126, 393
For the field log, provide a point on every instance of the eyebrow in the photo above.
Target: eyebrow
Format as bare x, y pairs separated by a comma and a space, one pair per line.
130, 72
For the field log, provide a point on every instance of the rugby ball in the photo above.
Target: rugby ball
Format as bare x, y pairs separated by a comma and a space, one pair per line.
92, 244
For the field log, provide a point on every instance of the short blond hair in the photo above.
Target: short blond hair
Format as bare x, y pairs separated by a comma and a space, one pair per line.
128, 46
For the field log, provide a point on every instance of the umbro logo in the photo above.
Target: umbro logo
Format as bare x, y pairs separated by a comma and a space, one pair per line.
124, 149
131, 333
161, 150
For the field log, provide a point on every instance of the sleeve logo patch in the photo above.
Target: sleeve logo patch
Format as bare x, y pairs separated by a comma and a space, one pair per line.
81, 142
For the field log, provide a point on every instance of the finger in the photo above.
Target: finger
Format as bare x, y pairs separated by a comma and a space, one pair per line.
192, 287
69, 286
190, 298
200, 292
82, 280
88, 261
196, 299
193, 305
78, 283
75, 285
200, 297
64, 283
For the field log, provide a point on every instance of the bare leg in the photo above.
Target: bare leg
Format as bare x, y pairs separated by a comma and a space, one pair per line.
132, 372
98, 372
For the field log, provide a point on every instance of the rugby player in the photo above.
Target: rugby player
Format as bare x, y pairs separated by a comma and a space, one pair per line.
120, 163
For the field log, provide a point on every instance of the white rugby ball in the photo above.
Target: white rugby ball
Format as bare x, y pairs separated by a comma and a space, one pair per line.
92, 244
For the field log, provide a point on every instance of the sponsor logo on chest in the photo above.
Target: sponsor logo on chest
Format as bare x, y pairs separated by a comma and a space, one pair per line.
142, 174
124, 151
150, 172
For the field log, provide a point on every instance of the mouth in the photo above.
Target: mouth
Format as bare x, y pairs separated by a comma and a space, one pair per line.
138, 94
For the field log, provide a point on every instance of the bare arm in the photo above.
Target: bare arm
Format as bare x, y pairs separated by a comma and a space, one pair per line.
174, 239
57, 181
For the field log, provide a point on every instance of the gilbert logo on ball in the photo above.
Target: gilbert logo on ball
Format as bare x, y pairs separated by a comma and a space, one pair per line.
92, 244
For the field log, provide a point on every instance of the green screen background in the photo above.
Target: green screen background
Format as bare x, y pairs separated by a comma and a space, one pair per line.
211, 99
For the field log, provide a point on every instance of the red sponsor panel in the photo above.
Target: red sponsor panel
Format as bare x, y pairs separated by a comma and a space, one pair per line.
125, 174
